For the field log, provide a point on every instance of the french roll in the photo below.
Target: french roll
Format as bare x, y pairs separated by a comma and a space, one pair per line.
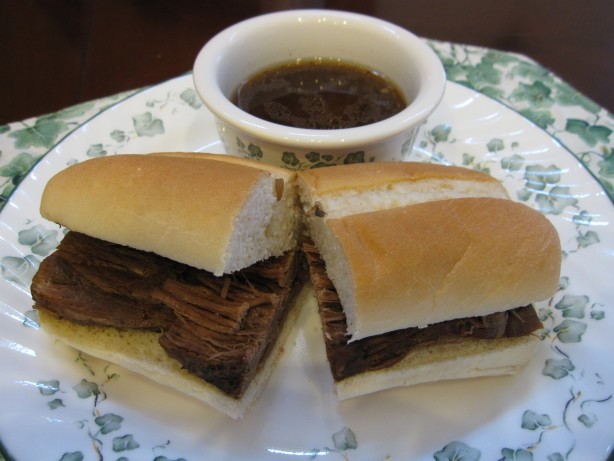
424, 272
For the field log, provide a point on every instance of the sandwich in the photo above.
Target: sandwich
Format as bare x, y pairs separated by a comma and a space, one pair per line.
424, 272
188, 269
181, 267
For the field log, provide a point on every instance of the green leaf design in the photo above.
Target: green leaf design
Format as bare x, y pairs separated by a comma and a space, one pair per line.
582, 219
495, 145
254, 151
86, 389
529, 70
109, 422
96, 150
457, 451
118, 136
289, 158
5, 193
55, 404
44, 133
18, 167
49, 387
146, 125
542, 118
587, 239
537, 177
606, 166
190, 97
570, 331
313, 157
74, 456
524, 194
597, 315
42, 241
441, 133
588, 420
354, 157
568, 96
536, 94
124, 443
512, 163
520, 454
590, 134
19, 270
558, 368
468, 159
454, 71
345, 439
532, 421
556, 457
483, 74
572, 306
556, 200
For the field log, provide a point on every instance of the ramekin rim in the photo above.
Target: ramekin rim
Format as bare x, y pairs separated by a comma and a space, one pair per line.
413, 115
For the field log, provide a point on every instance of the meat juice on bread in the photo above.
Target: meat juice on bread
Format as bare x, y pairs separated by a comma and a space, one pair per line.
188, 268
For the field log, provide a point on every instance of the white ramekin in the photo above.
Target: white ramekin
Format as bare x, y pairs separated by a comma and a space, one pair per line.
258, 43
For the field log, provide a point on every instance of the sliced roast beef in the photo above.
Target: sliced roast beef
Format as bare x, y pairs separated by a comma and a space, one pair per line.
219, 328
381, 351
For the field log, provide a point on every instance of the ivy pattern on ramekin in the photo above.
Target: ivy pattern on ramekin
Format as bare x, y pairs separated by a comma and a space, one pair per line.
291, 161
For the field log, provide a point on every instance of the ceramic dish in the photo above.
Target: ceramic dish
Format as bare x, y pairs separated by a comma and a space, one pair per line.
264, 42
58, 404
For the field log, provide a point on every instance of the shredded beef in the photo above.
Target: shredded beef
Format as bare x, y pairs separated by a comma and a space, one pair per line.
381, 351
218, 328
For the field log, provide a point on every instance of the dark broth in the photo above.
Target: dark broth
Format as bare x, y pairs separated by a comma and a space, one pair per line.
320, 94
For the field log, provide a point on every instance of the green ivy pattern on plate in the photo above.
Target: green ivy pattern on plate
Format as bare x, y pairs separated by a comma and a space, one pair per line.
539, 95
32, 138
104, 429
566, 317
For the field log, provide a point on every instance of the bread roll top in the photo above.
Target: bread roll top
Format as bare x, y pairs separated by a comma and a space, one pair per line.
357, 188
209, 213
276, 171
429, 262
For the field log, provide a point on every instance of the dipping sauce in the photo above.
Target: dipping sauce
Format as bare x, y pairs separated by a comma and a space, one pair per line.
320, 94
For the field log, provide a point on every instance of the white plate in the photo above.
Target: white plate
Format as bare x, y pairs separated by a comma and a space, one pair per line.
60, 405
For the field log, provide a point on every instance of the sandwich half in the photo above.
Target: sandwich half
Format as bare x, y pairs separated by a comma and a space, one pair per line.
424, 272
182, 267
